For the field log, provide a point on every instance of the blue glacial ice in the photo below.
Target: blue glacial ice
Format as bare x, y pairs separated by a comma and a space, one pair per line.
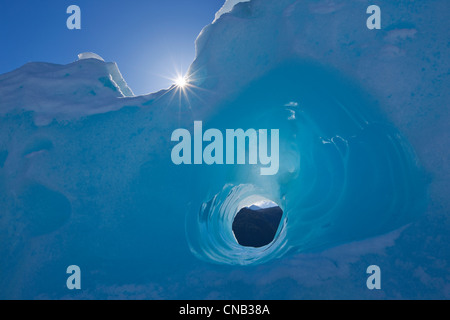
86, 175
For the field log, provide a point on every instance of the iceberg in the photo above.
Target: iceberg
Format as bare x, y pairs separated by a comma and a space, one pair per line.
86, 175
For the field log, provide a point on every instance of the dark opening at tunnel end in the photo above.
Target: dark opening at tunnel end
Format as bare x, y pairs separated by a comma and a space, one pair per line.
256, 227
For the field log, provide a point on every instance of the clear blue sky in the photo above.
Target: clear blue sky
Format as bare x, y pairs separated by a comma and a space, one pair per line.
147, 38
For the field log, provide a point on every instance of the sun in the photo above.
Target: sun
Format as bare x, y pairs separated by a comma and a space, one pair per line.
183, 88
181, 82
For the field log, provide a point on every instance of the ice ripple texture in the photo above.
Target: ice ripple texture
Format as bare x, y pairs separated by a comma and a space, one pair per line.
345, 173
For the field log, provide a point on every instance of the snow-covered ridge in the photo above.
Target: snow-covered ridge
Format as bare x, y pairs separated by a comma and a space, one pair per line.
83, 87
263, 204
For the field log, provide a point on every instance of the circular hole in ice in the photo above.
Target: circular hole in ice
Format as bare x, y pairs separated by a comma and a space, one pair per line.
256, 225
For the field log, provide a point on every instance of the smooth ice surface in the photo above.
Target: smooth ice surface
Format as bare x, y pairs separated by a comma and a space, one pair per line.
86, 176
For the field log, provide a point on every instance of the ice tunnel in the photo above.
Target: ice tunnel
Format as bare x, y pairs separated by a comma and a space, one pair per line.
345, 172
